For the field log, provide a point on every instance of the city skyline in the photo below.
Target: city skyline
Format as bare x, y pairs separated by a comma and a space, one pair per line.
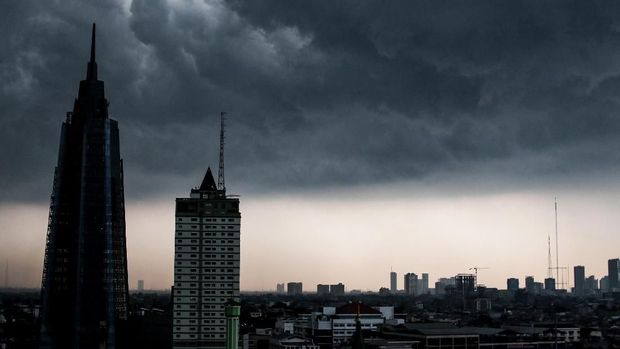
380, 139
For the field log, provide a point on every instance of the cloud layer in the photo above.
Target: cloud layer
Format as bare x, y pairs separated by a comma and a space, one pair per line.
319, 93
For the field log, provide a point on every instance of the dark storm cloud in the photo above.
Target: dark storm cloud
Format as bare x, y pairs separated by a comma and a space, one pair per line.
319, 93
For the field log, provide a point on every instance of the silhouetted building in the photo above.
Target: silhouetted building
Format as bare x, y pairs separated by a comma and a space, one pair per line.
465, 284
280, 288
294, 288
410, 281
613, 268
206, 265
140, 285
393, 282
322, 290
580, 280
549, 284
512, 285
591, 284
604, 284
84, 288
336, 290
529, 284
424, 289
442, 284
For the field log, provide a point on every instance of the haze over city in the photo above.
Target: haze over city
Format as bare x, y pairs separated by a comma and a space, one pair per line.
361, 137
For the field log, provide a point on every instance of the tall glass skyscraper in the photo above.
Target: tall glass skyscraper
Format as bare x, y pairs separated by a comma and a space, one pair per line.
84, 288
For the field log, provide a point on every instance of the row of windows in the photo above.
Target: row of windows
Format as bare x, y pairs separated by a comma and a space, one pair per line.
190, 284
204, 321
209, 227
195, 219
195, 263
195, 248
181, 234
218, 314
207, 241
207, 256
203, 336
212, 329
210, 291
217, 284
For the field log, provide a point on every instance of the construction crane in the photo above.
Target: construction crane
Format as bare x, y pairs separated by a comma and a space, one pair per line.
475, 269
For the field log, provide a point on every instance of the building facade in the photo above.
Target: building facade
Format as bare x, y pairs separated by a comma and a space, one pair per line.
613, 269
295, 288
580, 280
393, 282
322, 290
512, 285
206, 265
410, 281
84, 293
337, 290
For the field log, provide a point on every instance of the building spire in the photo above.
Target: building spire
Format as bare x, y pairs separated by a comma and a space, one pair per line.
221, 185
91, 73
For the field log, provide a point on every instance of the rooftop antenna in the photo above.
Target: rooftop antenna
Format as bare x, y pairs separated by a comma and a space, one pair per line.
549, 261
220, 175
557, 257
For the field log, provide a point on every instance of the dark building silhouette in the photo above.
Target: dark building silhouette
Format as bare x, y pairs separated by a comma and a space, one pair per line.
550, 284
84, 288
613, 268
512, 285
465, 284
322, 290
337, 289
580, 280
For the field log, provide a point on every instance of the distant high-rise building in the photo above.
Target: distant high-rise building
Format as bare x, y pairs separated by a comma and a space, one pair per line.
280, 288
580, 279
140, 285
322, 290
442, 284
529, 283
294, 288
424, 289
604, 284
613, 268
591, 284
206, 265
465, 283
549, 284
337, 290
410, 281
512, 285
393, 282
84, 293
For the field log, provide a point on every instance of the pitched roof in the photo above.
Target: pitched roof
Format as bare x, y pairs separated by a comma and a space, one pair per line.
208, 183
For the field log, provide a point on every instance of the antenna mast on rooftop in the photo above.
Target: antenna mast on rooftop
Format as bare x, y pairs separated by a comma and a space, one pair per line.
549, 261
557, 257
220, 175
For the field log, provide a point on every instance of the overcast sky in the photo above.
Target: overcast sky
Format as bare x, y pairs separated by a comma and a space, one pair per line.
475, 113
